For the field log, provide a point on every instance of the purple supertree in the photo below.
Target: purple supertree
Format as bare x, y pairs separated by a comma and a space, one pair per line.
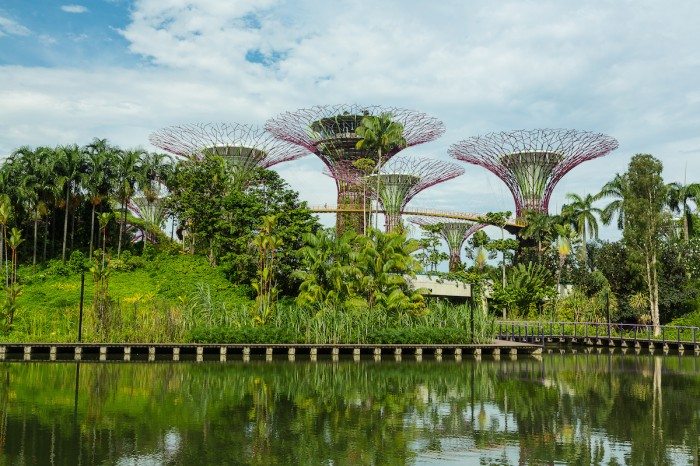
244, 147
398, 182
531, 162
330, 133
454, 233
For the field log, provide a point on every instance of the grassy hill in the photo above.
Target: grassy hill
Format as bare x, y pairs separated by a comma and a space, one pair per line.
156, 300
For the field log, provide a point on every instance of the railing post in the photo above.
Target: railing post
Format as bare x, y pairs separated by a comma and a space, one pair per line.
663, 333
636, 327
678, 340
694, 335
596, 330
648, 332
562, 330
574, 329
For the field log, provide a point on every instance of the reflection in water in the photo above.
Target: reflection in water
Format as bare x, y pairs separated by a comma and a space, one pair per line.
583, 409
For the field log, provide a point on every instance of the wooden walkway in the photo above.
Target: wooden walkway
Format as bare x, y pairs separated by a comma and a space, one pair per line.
149, 351
596, 334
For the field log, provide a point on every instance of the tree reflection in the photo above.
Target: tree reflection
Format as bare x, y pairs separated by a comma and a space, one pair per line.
585, 409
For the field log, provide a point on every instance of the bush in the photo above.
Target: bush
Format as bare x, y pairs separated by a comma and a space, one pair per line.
76, 262
57, 268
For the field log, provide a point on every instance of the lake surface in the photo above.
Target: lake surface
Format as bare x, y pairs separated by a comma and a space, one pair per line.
559, 409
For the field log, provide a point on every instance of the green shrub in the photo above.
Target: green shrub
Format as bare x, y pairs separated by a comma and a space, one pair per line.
57, 268
77, 262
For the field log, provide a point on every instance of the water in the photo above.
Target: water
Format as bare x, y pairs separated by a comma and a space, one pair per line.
560, 409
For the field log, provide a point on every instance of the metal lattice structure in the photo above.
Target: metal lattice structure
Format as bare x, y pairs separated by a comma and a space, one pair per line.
454, 233
330, 133
398, 182
244, 147
531, 162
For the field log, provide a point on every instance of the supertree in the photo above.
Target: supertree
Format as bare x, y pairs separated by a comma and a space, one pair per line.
330, 133
531, 162
454, 233
244, 147
398, 182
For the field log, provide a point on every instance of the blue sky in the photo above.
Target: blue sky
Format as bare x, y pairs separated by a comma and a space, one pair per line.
71, 71
77, 34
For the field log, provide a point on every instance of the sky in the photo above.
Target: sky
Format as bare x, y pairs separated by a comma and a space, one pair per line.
120, 69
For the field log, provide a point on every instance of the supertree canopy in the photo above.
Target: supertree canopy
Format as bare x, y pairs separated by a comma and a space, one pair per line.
244, 147
531, 162
330, 133
399, 181
454, 233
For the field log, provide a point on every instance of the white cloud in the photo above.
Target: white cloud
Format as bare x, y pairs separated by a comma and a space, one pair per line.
74, 9
10, 27
626, 69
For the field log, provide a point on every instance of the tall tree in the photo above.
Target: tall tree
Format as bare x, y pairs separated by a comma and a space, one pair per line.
380, 133
500, 219
128, 167
645, 198
478, 249
5, 215
614, 189
581, 213
539, 228
680, 198
70, 163
100, 160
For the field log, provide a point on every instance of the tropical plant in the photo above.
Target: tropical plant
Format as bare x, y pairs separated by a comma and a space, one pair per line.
5, 215
680, 198
70, 165
529, 286
127, 174
383, 135
267, 244
478, 249
100, 159
615, 189
581, 213
539, 228
355, 272
566, 237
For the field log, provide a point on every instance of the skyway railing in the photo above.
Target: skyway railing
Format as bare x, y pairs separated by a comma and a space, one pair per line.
420, 211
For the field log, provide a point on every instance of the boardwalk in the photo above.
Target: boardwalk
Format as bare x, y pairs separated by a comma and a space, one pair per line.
678, 338
124, 351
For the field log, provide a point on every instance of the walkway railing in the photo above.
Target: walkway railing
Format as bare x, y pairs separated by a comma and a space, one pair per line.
420, 211
599, 333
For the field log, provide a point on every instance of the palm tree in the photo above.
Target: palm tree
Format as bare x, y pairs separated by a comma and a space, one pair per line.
581, 214
70, 164
539, 227
127, 176
679, 198
383, 135
615, 189
35, 185
5, 215
96, 179
477, 250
